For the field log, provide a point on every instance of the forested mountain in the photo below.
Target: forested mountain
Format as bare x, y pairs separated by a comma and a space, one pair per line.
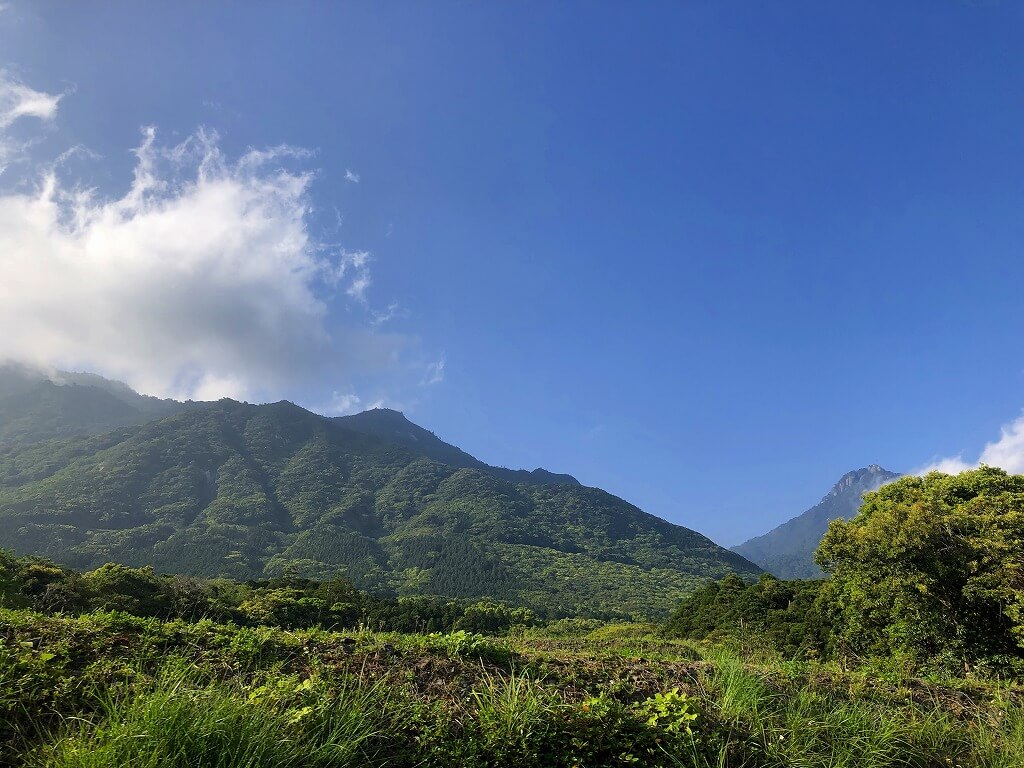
248, 491
788, 550
38, 405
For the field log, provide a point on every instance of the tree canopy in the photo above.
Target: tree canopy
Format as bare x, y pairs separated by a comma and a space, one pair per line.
931, 568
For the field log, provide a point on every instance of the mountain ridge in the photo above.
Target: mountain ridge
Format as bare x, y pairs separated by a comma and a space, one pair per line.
787, 551
247, 491
38, 405
385, 422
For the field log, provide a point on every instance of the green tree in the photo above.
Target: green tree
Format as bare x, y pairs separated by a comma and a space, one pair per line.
284, 607
488, 616
134, 590
931, 568
779, 613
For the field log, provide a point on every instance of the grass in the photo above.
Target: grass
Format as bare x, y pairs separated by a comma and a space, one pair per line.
807, 728
514, 709
514, 719
179, 722
90, 691
999, 743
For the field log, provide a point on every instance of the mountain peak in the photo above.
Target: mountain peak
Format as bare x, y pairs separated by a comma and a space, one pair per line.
864, 479
788, 550
385, 413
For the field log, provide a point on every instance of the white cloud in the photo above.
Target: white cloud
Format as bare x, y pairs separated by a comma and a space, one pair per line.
435, 373
203, 279
1007, 452
355, 265
394, 405
351, 176
342, 404
390, 312
18, 101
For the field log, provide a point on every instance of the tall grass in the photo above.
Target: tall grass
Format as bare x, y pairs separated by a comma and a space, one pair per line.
804, 728
746, 718
179, 723
742, 696
515, 717
1001, 744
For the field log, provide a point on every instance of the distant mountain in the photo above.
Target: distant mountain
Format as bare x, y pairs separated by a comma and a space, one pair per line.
245, 491
788, 551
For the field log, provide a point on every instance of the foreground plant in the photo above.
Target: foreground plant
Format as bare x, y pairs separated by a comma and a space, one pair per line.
179, 722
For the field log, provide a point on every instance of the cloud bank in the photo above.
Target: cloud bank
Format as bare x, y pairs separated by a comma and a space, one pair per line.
1007, 452
203, 279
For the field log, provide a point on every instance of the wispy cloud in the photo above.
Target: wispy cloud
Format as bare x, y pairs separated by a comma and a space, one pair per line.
354, 267
351, 176
390, 312
434, 372
1007, 452
18, 101
396, 405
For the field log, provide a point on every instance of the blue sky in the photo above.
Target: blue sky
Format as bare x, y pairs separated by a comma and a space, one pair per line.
706, 256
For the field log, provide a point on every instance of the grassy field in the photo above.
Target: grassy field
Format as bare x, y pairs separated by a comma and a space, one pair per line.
109, 689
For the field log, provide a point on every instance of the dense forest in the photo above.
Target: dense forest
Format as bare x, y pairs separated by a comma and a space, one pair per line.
289, 602
928, 576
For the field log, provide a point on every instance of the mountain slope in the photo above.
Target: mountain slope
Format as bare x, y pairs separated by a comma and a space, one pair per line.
46, 411
394, 427
788, 550
37, 405
245, 491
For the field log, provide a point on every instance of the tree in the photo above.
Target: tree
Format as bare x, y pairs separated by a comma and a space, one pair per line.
780, 613
931, 568
491, 617
284, 607
138, 591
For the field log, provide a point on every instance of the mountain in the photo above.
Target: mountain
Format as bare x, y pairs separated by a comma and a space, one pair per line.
36, 405
249, 490
394, 427
788, 551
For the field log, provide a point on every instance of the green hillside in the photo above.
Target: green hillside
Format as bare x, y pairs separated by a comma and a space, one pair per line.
247, 491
